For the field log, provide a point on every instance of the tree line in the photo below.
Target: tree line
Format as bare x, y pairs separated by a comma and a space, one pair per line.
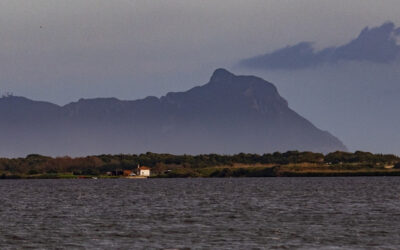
100, 164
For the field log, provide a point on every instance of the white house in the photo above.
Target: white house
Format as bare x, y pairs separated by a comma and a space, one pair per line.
143, 171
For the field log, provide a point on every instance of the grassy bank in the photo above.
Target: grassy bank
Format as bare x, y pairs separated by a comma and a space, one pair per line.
55, 176
228, 172
294, 170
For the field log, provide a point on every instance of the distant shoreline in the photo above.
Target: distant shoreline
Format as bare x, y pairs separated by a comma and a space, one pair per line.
289, 164
223, 173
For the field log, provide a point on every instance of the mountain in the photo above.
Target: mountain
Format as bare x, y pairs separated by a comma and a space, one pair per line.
229, 114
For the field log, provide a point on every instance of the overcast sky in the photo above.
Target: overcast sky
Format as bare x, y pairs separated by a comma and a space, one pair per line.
61, 51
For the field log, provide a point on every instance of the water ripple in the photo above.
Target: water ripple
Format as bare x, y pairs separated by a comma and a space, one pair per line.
242, 213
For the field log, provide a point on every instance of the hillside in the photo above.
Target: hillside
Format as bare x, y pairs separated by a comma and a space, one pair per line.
229, 114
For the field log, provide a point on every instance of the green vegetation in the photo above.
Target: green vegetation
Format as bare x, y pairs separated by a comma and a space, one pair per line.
291, 163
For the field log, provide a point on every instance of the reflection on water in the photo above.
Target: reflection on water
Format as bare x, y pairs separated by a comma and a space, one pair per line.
242, 213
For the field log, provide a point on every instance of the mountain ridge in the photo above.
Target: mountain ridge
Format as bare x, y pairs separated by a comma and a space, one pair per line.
229, 114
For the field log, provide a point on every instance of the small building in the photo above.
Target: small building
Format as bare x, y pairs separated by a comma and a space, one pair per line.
143, 171
127, 172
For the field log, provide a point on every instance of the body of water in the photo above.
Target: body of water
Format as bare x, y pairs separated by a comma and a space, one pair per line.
230, 213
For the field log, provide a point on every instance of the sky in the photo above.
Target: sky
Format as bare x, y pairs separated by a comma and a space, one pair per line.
63, 50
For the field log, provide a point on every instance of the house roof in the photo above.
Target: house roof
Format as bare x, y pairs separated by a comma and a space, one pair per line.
144, 168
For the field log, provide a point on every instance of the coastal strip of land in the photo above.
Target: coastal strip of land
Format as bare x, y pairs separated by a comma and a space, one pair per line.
288, 164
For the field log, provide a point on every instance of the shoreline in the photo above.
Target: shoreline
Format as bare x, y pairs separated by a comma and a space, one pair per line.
289, 164
264, 174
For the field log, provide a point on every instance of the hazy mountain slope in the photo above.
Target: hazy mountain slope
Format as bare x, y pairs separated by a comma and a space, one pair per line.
229, 114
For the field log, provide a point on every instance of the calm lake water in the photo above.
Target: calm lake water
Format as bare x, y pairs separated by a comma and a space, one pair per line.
242, 213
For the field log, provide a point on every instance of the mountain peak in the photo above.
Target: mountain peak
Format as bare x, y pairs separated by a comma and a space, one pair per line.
230, 114
220, 75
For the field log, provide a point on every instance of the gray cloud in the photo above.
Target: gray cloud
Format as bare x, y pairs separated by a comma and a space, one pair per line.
378, 45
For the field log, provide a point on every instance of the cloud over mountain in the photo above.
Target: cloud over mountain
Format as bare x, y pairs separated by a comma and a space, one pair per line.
378, 45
